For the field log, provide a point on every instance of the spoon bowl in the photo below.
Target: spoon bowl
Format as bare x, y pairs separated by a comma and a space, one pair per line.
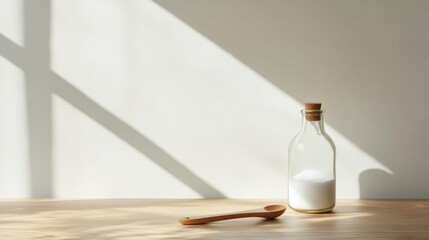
275, 208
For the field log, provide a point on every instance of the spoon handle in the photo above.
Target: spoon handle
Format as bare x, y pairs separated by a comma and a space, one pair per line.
220, 217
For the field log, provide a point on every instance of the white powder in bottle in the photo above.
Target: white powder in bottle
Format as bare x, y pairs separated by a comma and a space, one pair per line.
312, 189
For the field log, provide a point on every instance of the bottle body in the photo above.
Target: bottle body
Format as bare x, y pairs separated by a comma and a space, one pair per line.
312, 177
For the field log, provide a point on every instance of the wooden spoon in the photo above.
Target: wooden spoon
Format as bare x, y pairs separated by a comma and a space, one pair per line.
270, 212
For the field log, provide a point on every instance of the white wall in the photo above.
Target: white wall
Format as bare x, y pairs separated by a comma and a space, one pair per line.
186, 99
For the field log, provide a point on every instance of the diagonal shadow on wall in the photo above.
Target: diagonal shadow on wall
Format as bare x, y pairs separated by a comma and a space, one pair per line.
135, 139
366, 61
42, 83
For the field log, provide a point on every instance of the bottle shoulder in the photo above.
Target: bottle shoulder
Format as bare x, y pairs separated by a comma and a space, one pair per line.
309, 140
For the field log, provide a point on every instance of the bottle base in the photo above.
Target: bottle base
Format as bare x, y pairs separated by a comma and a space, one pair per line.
313, 211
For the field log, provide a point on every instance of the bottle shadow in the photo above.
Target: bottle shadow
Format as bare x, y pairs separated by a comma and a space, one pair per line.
378, 184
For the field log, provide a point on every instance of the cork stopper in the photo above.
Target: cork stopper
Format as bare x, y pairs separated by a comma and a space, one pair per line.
313, 111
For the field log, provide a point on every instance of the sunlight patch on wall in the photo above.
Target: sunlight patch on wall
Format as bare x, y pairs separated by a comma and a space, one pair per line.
91, 162
11, 20
217, 116
13, 132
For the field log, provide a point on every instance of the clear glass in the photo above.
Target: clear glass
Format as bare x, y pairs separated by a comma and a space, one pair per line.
311, 185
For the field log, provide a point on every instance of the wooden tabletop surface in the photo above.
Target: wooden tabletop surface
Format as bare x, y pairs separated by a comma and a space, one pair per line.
157, 219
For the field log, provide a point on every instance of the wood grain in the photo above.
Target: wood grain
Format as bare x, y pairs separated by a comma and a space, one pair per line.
158, 219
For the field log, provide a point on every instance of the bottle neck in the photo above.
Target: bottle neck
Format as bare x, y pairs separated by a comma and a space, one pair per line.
312, 126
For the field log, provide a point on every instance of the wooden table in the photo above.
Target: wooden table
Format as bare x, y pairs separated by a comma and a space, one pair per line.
157, 219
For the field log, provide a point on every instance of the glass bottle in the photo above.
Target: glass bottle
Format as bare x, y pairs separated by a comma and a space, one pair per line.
312, 153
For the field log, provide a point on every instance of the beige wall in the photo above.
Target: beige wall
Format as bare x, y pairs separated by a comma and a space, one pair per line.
196, 98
